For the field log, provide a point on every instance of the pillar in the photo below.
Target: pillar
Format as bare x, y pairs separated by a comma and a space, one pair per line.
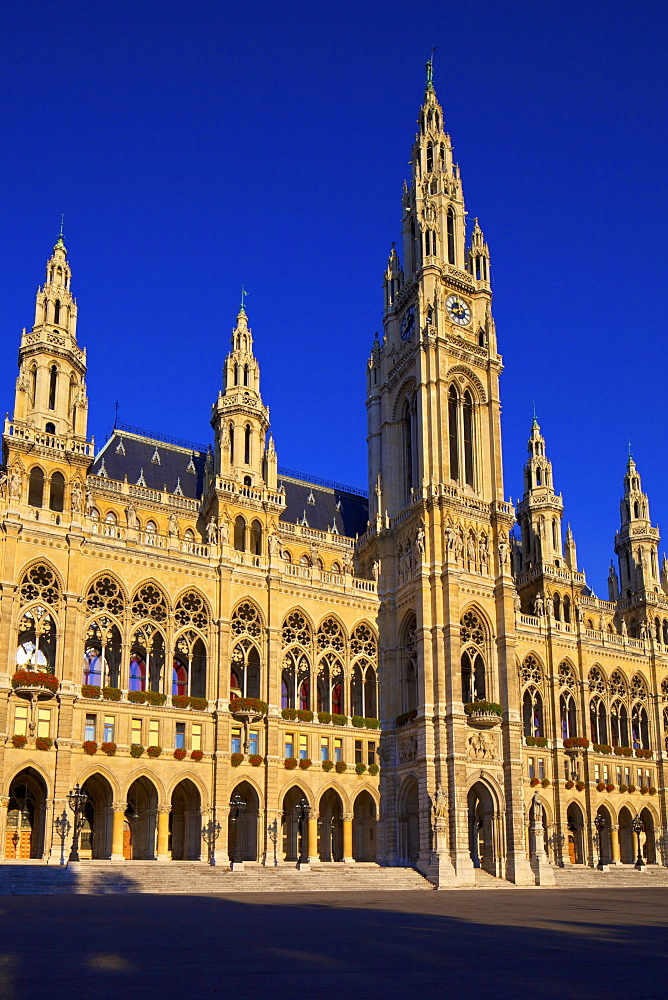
163, 853
614, 844
348, 837
117, 827
4, 803
311, 851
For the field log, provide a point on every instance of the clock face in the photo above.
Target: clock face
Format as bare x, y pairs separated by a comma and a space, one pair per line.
408, 323
458, 310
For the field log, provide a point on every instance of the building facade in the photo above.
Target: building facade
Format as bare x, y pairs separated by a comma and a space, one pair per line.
237, 662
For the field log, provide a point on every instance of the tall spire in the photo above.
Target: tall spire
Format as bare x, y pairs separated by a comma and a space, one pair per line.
637, 541
541, 509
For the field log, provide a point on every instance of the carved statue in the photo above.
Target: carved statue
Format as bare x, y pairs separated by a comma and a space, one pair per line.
375, 569
643, 630
549, 606
503, 549
470, 549
624, 630
419, 540
211, 532
538, 606
273, 543
536, 810
449, 538
484, 552
459, 545
440, 803
173, 526
90, 503
3, 483
15, 484
517, 603
76, 496
131, 515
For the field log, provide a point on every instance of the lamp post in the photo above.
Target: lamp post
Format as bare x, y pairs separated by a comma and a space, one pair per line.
272, 830
638, 829
303, 811
76, 800
599, 823
237, 808
210, 834
62, 825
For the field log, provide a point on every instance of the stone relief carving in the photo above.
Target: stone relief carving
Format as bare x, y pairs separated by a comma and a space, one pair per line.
481, 746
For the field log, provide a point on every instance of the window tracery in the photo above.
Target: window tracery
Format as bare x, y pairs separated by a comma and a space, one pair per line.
296, 629
149, 602
39, 583
410, 664
617, 685
596, 682
330, 684
191, 610
330, 635
530, 671
246, 619
104, 594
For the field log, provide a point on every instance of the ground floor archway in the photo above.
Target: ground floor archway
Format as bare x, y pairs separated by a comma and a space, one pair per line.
330, 827
96, 823
26, 816
485, 834
648, 837
185, 822
139, 833
292, 842
604, 837
409, 822
576, 841
242, 833
364, 827
625, 834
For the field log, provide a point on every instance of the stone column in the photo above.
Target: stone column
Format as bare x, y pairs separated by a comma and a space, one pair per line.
348, 837
163, 853
614, 844
4, 802
311, 851
118, 825
540, 864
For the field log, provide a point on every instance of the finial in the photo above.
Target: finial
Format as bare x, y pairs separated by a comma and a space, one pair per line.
244, 293
62, 223
430, 69
535, 422
117, 407
630, 455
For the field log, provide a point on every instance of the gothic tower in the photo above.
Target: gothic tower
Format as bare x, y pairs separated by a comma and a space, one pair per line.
439, 532
636, 542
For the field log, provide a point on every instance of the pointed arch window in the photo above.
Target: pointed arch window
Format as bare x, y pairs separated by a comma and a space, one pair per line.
410, 678
407, 432
231, 429
53, 383
245, 374
247, 445
568, 715
453, 432
57, 492
256, 538
240, 534
532, 713
619, 724
598, 721
36, 487
451, 235
468, 438
430, 158
461, 436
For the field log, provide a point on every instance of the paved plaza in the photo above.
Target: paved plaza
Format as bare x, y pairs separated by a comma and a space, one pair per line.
581, 944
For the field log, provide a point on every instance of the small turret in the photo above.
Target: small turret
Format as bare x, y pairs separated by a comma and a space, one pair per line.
637, 541
540, 510
570, 553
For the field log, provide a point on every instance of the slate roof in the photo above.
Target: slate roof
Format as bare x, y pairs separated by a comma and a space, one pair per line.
150, 461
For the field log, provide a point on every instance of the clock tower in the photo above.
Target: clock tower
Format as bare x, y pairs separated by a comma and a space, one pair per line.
439, 527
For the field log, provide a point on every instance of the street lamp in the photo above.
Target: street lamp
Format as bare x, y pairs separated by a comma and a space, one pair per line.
76, 800
272, 830
303, 811
638, 829
599, 823
237, 808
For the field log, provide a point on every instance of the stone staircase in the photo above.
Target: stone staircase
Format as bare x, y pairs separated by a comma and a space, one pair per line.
616, 877
195, 878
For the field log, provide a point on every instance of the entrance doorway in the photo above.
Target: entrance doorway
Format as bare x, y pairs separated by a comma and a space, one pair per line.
364, 828
185, 822
26, 815
242, 834
330, 827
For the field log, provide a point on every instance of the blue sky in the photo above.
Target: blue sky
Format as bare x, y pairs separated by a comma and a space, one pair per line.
195, 148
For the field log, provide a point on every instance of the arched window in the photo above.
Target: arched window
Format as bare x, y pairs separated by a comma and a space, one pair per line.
567, 609
473, 676
240, 534
598, 721
33, 385
453, 432
247, 445
36, 487
451, 235
57, 494
430, 158
410, 665
619, 724
56, 312
179, 677
245, 671
407, 443
245, 374
330, 684
231, 428
639, 727
137, 671
236, 373
468, 438
413, 253
568, 715
50, 428
256, 538
36, 646
53, 382
557, 607
636, 509
532, 713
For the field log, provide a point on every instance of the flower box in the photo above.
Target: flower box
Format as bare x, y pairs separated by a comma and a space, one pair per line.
19, 740
644, 754
545, 783
301, 714
248, 705
373, 769
623, 788
197, 755
89, 747
600, 787
236, 759
601, 748
198, 704
304, 763
90, 691
327, 765
644, 789
580, 786
340, 767
364, 722
536, 741
136, 750
180, 753
154, 751
108, 748
652, 790
360, 768
137, 697
290, 763
43, 742
406, 717
339, 720
631, 789
576, 743
112, 693
255, 759
483, 708
180, 701
570, 784
155, 697
325, 717
534, 782
609, 788
623, 751
35, 679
